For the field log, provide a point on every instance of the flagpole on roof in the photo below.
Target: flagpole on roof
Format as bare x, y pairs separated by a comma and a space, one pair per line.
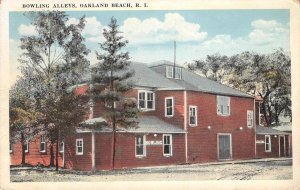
174, 59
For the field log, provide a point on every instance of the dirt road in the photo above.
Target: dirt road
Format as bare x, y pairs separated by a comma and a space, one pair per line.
271, 170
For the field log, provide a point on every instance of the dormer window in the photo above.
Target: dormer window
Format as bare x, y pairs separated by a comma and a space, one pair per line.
171, 74
178, 73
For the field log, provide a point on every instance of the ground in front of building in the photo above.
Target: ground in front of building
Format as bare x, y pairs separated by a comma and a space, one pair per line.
262, 170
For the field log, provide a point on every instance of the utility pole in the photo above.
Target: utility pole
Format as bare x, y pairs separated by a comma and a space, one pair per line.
174, 59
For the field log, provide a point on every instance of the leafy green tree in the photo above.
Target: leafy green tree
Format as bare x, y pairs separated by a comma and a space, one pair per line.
23, 116
111, 81
267, 76
213, 67
56, 57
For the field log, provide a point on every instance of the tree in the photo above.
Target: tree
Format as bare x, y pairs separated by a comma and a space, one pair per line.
268, 76
212, 67
23, 116
56, 57
111, 81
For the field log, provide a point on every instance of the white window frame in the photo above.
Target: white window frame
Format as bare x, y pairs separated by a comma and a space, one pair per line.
219, 110
43, 142
168, 68
79, 153
11, 147
270, 145
27, 147
144, 147
250, 118
171, 145
146, 100
196, 116
63, 147
173, 104
180, 72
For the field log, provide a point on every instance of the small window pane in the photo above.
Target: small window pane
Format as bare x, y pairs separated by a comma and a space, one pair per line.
79, 146
169, 72
167, 145
142, 99
150, 100
62, 146
11, 147
169, 107
167, 149
26, 146
139, 145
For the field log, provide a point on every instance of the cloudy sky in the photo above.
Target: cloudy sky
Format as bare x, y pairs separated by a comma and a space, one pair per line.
151, 34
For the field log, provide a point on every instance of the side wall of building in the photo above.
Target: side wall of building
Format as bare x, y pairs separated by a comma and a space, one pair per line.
34, 156
203, 138
125, 152
276, 151
75, 161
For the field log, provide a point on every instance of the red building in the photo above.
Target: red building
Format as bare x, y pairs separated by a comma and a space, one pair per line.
273, 143
184, 118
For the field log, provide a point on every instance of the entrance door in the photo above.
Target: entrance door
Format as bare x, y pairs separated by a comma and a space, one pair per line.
281, 146
224, 146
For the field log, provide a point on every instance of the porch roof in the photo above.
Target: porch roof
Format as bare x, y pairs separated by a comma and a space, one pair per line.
97, 124
268, 131
152, 124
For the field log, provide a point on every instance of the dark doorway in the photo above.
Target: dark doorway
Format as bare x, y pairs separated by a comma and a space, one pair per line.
224, 146
281, 146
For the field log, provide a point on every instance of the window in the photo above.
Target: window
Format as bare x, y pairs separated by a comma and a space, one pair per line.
267, 143
43, 145
62, 147
223, 105
146, 100
167, 145
250, 118
26, 146
11, 147
107, 104
150, 102
91, 106
169, 71
177, 73
169, 106
193, 115
140, 148
79, 146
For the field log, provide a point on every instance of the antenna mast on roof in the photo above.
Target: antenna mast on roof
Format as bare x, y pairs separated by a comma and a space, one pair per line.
174, 59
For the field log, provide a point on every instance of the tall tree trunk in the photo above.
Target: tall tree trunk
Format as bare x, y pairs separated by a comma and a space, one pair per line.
23, 149
57, 143
114, 146
113, 117
51, 155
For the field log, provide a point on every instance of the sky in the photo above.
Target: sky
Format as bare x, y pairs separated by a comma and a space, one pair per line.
151, 34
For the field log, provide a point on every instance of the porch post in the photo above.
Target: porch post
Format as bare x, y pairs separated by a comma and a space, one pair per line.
93, 152
185, 125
